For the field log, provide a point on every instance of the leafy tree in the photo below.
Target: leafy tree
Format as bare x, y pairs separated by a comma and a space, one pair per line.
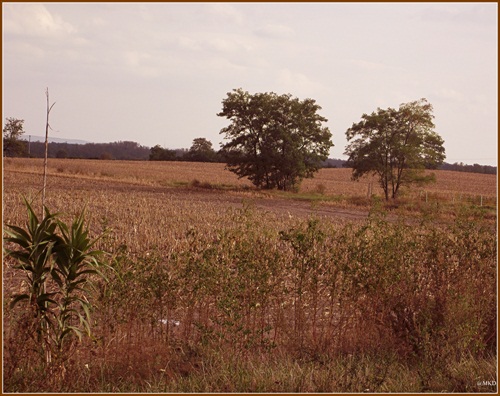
158, 153
274, 140
12, 132
396, 145
201, 151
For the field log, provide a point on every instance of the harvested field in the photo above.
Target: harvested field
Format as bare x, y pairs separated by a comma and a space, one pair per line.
214, 286
344, 198
333, 181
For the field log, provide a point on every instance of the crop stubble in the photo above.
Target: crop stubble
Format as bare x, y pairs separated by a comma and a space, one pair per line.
150, 208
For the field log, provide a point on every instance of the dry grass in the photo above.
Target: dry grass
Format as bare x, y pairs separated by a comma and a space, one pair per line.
334, 181
152, 173
338, 181
247, 297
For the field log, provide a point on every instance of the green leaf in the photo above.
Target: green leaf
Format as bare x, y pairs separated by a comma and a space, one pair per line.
57, 278
18, 298
18, 232
46, 298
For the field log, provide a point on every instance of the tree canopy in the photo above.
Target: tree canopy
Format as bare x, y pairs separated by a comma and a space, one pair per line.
12, 132
158, 153
396, 145
274, 140
201, 151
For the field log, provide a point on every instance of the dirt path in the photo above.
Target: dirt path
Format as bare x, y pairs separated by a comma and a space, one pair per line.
302, 208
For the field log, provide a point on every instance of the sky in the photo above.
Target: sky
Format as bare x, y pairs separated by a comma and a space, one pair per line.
157, 73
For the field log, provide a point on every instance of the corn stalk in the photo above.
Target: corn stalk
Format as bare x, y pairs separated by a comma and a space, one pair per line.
47, 126
58, 261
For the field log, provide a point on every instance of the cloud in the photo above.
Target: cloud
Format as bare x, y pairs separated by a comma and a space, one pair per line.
34, 20
371, 66
275, 31
449, 95
480, 14
367, 65
188, 43
222, 44
225, 12
234, 44
298, 83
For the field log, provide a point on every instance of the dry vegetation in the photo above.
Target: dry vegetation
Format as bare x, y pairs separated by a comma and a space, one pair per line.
267, 292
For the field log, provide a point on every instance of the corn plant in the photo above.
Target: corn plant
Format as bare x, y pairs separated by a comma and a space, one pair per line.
58, 261
75, 262
34, 257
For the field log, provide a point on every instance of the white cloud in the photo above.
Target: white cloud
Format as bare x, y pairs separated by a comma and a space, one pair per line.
188, 43
449, 94
480, 14
275, 31
367, 65
33, 20
145, 63
222, 44
372, 66
225, 66
225, 12
298, 84
98, 21
234, 44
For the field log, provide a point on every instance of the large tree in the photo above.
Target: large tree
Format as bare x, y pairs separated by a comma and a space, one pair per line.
274, 140
201, 151
12, 132
397, 145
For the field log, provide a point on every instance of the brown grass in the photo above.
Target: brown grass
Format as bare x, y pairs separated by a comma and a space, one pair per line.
329, 180
214, 260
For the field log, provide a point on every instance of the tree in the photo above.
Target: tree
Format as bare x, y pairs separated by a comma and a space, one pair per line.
201, 151
12, 132
158, 153
274, 140
396, 145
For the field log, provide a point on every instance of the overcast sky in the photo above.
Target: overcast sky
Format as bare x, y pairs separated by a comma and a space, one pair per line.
156, 73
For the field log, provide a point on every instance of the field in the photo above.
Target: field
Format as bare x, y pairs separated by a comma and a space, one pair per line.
217, 287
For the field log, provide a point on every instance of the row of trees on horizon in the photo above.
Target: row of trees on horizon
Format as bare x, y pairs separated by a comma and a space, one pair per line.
278, 140
132, 151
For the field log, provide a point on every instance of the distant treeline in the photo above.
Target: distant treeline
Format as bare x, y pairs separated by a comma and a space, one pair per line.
476, 168
127, 150
117, 150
